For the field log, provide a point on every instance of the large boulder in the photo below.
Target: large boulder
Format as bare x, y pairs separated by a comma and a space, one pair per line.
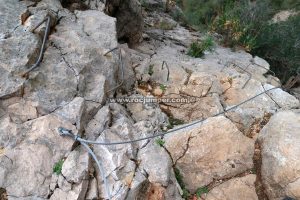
195, 154
280, 151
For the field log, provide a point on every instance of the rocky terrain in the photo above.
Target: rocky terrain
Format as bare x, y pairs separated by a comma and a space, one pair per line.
97, 52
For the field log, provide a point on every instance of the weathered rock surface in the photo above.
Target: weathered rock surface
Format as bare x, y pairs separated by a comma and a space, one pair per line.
156, 164
73, 112
34, 157
279, 142
194, 154
75, 78
241, 188
52, 85
76, 166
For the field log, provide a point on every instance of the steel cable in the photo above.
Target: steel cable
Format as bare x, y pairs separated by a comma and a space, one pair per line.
70, 134
65, 132
37, 63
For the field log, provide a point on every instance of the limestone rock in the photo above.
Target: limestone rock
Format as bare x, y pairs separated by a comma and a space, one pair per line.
73, 111
12, 13
76, 167
241, 188
52, 84
17, 53
156, 162
22, 111
33, 159
83, 43
11, 134
279, 141
77, 193
194, 153
92, 192
99, 122
246, 114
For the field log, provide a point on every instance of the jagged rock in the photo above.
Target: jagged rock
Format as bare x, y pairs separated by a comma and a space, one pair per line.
241, 188
138, 185
92, 192
129, 19
22, 111
279, 141
148, 111
173, 189
197, 99
73, 111
76, 167
10, 133
282, 98
77, 192
156, 163
246, 114
50, 5
194, 108
83, 43
118, 167
12, 13
34, 157
195, 154
17, 53
52, 84
99, 122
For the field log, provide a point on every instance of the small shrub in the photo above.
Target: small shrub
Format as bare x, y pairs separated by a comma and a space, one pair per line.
202, 190
197, 49
279, 44
240, 23
58, 167
160, 142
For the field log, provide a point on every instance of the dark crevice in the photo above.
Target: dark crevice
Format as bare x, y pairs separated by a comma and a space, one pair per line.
73, 5
257, 160
3, 194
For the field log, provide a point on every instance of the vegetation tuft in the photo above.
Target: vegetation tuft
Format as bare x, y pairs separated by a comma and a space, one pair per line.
58, 167
185, 193
197, 49
160, 142
248, 24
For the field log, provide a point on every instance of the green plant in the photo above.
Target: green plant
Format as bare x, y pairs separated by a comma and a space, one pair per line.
58, 167
197, 49
200, 13
150, 70
202, 190
163, 87
240, 23
185, 193
279, 44
160, 142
